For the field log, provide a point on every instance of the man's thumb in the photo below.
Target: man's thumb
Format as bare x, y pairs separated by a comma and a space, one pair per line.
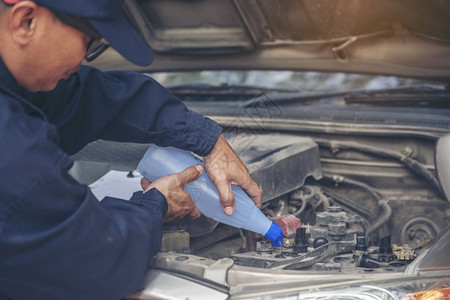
189, 174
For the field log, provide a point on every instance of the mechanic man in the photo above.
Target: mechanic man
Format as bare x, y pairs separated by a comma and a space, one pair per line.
56, 240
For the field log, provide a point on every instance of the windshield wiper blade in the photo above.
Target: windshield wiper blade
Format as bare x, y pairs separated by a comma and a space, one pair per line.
217, 93
425, 97
418, 92
222, 92
196, 88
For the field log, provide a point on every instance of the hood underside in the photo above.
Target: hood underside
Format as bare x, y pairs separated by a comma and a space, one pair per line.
402, 37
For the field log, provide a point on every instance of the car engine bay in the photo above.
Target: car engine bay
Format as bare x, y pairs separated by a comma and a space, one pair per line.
348, 205
331, 222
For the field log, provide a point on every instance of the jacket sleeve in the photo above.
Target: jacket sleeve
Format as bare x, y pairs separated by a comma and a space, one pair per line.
56, 240
125, 107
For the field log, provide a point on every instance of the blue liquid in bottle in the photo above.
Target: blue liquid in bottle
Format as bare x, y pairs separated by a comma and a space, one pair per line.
161, 161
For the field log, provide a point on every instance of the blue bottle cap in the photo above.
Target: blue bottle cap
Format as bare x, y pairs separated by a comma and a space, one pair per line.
275, 235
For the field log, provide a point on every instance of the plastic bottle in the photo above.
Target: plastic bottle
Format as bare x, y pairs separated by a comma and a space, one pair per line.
161, 161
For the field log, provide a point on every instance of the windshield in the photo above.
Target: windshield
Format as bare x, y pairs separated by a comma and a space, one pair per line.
289, 80
305, 88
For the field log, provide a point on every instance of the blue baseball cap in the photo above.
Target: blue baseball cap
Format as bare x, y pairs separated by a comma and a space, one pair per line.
107, 17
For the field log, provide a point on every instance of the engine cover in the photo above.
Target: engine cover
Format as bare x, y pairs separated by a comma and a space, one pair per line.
276, 163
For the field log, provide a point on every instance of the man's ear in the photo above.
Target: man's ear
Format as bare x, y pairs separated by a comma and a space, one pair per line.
22, 23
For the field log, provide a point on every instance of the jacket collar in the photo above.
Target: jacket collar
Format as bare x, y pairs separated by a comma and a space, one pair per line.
10, 85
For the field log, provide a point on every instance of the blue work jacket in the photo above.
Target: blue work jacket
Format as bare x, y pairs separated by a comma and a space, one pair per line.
57, 241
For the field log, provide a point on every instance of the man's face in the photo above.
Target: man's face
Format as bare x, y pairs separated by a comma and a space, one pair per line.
57, 52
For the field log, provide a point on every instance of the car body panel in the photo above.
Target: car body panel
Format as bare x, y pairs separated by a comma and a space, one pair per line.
382, 37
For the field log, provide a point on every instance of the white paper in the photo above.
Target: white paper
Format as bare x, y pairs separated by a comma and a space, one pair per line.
116, 184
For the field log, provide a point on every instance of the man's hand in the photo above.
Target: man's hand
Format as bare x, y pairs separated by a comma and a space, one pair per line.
224, 168
171, 186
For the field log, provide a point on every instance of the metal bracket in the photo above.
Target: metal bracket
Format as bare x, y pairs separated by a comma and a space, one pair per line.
217, 272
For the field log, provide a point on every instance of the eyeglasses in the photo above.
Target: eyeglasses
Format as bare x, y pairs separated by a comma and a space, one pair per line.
96, 46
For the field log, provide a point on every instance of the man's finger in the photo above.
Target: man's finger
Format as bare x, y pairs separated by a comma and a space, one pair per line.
226, 198
189, 174
195, 213
254, 192
145, 183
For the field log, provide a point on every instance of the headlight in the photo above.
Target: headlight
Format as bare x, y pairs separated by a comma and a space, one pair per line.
395, 289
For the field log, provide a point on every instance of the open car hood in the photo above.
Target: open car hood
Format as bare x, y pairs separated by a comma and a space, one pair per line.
403, 37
